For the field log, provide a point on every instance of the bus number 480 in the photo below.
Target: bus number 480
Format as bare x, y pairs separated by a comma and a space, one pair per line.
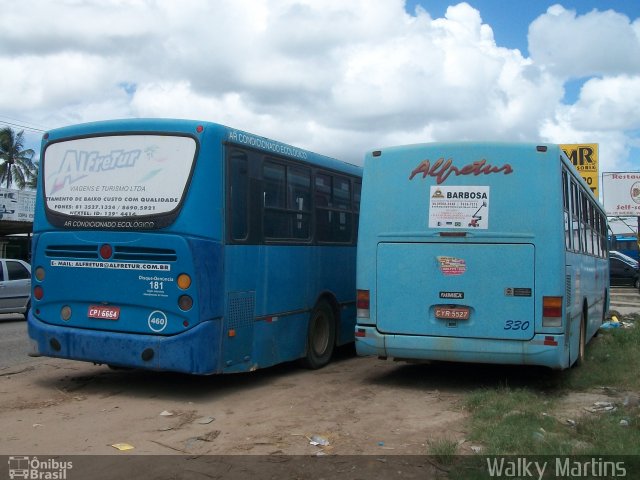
516, 325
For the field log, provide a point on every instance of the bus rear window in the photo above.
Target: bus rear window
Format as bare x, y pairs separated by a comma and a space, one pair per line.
117, 176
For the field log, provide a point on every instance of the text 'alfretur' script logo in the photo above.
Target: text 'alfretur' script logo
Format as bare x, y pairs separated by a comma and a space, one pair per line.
441, 169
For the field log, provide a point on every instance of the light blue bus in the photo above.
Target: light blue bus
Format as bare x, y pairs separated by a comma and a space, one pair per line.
191, 247
479, 252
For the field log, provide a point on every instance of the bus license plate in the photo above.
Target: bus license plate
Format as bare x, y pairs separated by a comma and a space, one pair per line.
104, 313
452, 313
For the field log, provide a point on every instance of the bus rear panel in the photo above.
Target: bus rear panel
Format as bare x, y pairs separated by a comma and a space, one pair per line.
462, 257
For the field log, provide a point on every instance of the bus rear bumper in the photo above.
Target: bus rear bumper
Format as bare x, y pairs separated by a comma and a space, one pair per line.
473, 350
195, 351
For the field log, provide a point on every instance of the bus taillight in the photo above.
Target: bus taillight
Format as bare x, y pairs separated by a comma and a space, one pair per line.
38, 292
185, 302
551, 311
106, 251
362, 303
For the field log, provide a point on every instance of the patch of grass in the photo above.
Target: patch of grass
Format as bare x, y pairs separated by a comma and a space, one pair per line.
613, 359
443, 450
514, 421
520, 421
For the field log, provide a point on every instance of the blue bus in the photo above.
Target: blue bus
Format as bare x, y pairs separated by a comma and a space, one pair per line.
626, 244
479, 252
191, 247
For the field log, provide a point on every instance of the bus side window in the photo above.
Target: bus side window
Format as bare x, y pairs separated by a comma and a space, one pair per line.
323, 203
575, 218
287, 202
357, 189
333, 209
239, 195
342, 196
299, 200
274, 221
567, 211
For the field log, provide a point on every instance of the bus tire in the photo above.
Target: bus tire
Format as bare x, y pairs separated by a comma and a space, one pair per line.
582, 342
321, 336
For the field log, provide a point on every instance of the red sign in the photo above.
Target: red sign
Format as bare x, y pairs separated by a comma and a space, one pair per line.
442, 168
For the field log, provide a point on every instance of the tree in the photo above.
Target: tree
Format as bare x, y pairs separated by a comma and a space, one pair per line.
16, 165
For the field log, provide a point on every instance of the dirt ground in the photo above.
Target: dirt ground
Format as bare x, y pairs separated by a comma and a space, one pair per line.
353, 406
377, 418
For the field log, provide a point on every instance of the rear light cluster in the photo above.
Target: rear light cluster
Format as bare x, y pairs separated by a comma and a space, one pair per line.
363, 304
551, 311
38, 291
185, 302
184, 282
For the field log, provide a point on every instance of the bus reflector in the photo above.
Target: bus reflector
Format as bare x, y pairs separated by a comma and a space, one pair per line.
362, 303
65, 313
551, 311
184, 281
38, 292
550, 341
360, 332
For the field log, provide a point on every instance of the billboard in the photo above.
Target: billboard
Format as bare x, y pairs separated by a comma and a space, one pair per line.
584, 157
17, 205
621, 194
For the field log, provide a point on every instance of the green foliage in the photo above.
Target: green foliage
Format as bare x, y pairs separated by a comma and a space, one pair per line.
521, 421
16, 162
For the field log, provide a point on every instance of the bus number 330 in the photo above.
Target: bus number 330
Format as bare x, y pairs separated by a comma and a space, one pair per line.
516, 325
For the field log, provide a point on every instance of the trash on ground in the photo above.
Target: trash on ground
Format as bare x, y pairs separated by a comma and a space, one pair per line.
318, 440
166, 413
209, 437
609, 325
205, 420
122, 446
601, 407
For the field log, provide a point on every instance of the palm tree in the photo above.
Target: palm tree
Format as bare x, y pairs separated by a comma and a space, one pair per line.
16, 165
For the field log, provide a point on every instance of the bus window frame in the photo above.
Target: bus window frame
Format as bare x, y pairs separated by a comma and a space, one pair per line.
255, 235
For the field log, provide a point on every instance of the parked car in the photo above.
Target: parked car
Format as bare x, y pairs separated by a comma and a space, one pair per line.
15, 286
623, 270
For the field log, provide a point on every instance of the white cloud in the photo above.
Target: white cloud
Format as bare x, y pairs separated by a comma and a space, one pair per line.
597, 43
339, 77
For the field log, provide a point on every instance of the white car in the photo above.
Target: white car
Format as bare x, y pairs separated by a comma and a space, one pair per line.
15, 286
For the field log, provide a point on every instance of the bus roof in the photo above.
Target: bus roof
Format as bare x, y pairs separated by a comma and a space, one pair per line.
228, 134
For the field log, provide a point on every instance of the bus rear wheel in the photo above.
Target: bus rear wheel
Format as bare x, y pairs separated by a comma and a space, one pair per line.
321, 336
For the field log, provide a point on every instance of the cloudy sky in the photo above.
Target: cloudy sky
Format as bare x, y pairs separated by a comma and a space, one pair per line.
339, 77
